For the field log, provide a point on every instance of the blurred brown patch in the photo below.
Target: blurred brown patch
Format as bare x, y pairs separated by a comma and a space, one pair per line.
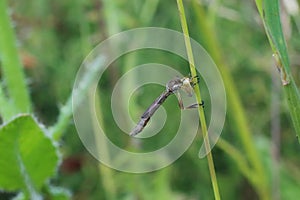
28, 60
71, 164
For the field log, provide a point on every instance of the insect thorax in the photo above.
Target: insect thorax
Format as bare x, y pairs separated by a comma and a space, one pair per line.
174, 84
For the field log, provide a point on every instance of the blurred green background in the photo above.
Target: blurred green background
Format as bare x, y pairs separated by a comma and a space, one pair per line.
54, 37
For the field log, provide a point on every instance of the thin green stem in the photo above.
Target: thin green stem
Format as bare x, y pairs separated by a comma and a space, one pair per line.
198, 96
270, 14
11, 64
65, 114
111, 16
57, 130
237, 112
148, 11
239, 159
107, 175
79, 93
66, 111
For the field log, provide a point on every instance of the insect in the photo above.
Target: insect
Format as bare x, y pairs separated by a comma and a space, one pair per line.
172, 87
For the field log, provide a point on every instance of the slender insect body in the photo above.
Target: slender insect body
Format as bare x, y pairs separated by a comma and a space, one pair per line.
155, 105
149, 112
140, 126
172, 87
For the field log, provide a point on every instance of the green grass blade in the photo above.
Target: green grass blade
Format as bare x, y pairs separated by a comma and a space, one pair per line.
198, 97
270, 14
11, 65
236, 111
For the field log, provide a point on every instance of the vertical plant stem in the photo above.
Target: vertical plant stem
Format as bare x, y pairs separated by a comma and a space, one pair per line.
198, 96
148, 11
11, 64
270, 14
107, 175
238, 158
65, 114
237, 112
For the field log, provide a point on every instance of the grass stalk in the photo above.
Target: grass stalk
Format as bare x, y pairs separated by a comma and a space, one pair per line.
65, 114
238, 158
270, 14
11, 65
66, 111
148, 11
199, 99
107, 175
237, 112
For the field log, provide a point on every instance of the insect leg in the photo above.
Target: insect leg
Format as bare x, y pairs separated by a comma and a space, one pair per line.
193, 83
195, 105
180, 102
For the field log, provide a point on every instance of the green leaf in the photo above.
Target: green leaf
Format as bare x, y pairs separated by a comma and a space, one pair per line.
272, 22
28, 156
274, 30
11, 66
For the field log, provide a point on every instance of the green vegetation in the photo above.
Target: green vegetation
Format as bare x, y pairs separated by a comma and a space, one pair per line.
199, 99
43, 44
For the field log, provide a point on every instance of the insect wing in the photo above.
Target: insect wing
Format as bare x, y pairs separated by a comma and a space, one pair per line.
186, 86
